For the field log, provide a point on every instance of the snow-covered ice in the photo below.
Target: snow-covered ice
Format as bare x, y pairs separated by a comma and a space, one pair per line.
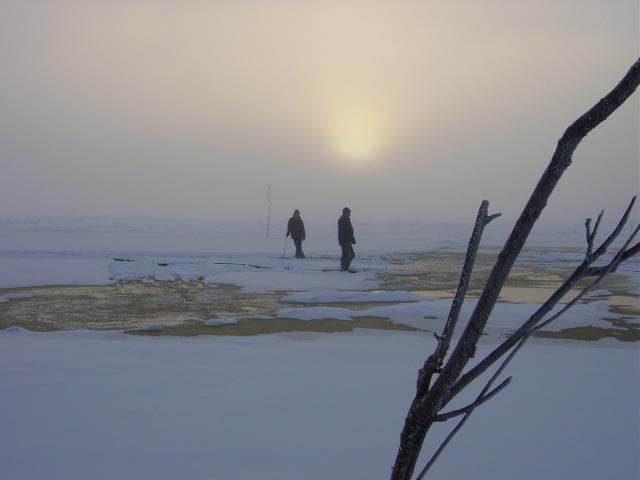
104, 405
13, 296
153, 327
79, 405
353, 297
213, 322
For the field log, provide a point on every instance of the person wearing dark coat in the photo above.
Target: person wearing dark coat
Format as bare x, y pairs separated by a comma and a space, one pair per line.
346, 239
295, 228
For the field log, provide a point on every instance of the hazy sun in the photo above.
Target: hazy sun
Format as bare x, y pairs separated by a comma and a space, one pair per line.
356, 145
356, 132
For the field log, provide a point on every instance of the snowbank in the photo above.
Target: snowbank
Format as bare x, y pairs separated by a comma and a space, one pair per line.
80, 405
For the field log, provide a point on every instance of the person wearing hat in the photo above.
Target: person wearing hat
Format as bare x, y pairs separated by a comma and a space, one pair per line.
346, 239
295, 228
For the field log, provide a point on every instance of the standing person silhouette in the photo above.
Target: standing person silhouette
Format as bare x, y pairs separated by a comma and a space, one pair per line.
346, 239
295, 228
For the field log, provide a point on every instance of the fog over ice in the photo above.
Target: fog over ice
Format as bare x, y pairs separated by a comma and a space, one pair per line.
402, 110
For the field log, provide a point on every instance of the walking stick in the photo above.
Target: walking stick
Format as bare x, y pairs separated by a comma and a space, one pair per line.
285, 246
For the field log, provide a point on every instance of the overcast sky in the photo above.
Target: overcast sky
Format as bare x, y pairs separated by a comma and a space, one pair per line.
408, 110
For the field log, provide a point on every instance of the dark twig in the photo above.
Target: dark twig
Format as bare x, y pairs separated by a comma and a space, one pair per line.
592, 235
479, 401
458, 427
617, 259
627, 254
616, 231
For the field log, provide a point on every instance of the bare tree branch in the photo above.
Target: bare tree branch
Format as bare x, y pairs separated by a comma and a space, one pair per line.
469, 410
425, 407
582, 271
479, 401
607, 269
614, 234
592, 235
627, 254
505, 363
434, 362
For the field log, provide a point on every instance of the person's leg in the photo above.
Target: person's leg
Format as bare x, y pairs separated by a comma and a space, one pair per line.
298, 244
344, 260
350, 254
